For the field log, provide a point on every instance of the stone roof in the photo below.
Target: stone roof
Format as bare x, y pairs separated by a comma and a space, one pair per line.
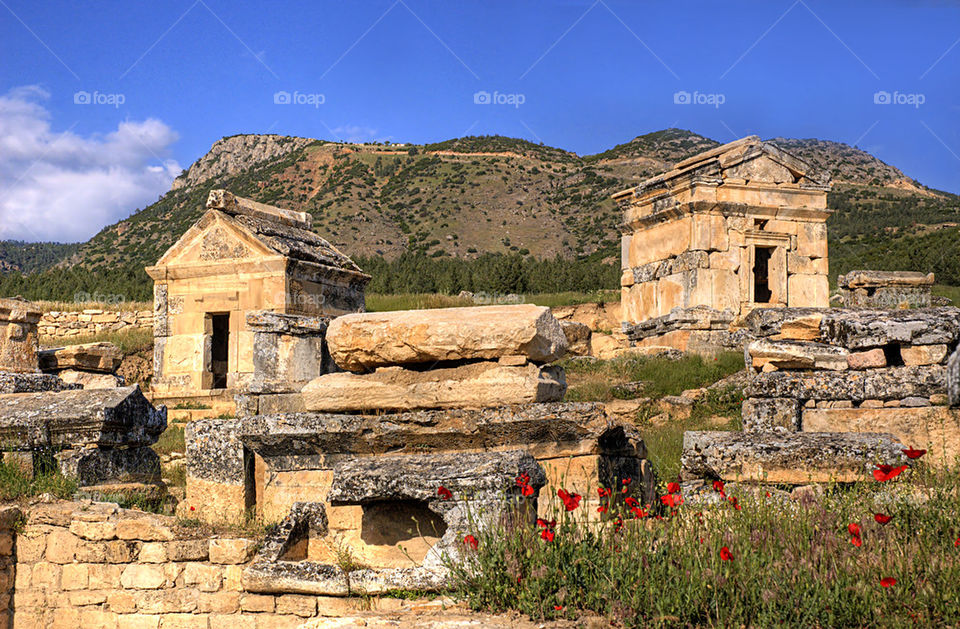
723, 162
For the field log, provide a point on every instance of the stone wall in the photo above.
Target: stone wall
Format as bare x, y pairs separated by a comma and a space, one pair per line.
87, 564
65, 325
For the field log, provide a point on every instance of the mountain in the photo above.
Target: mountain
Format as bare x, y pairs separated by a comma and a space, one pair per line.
467, 197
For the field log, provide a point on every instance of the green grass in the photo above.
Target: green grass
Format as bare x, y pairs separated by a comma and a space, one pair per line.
792, 565
421, 301
130, 340
950, 292
589, 381
170, 441
414, 301
16, 484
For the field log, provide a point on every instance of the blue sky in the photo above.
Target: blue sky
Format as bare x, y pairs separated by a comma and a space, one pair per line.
101, 103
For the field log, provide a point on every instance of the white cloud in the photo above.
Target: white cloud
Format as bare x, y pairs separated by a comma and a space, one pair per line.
358, 134
66, 187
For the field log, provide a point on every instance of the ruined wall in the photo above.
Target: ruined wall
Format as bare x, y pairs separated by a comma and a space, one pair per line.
94, 565
65, 325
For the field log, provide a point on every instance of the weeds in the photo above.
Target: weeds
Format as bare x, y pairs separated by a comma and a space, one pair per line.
130, 340
17, 483
172, 440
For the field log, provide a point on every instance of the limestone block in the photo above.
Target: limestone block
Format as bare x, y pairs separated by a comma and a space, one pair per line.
797, 355
876, 279
18, 335
891, 383
143, 529
728, 260
803, 264
804, 290
475, 385
362, 341
870, 359
578, 338
99, 357
812, 240
231, 551
797, 324
671, 293
142, 577
862, 329
90, 380
771, 414
923, 354
953, 378
932, 428
790, 458
660, 241
709, 233
205, 578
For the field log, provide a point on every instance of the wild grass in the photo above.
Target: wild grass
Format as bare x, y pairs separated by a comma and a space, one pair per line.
16, 483
589, 381
130, 340
422, 301
791, 563
172, 440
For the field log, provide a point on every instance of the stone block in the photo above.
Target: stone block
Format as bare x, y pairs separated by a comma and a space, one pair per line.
142, 577
806, 290
923, 354
231, 551
869, 359
90, 380
578, 338
18, 335
362, 341
232, 621
864, 329
205, 578
797, 355
74, 577
152, 552
873, 384
257, 603
475, 385
93, 466
143, 529
138, 621
184, 621
97, 357
61, 546
218, 602
122, 601
95, 531
188, 550
788, 458
303, 606
771, 414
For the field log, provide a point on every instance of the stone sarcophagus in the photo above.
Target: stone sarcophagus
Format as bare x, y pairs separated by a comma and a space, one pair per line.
214, 287
737, 227
885, 289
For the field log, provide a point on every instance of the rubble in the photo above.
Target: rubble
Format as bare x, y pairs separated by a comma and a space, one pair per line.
885, 289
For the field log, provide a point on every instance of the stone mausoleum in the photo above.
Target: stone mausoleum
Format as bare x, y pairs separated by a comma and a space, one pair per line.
734, 228
242, 296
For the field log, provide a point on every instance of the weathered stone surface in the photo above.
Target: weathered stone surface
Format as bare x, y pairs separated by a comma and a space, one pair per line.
578, 338
95, 466
891, 383
953, 378
231, 551
923, 354
18, 335
475, 385
885, 289
11, 382
106, 417
98, 357
797, 355
862, 329
932, 428
800, 324
794, 458
363, 341
771, 414
873, 279
91, 379
870, 359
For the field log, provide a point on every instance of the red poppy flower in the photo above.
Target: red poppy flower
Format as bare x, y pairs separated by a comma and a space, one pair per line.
558, 607
673, 488
701, 540
672, 500
527, 490
570, 501
602, 509
725, 554
768, 494
913, 453
547, 534
604, 492
856, 541
736, 503
631, 502
470, 540
523, 479
881, 518
639, 513
854, 529
884, 473
545, 524
718, 486
192, 508
444, 493
888, 581
956, 544
626, 481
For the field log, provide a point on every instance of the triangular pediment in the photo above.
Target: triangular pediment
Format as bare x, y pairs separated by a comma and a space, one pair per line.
215, 238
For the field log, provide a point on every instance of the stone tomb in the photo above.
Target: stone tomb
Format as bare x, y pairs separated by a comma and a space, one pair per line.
241, 257
731, 229
91, 365
885, 289
372, 476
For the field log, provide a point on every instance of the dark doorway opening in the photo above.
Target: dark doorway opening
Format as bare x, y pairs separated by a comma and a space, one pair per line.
219, 352
761, 275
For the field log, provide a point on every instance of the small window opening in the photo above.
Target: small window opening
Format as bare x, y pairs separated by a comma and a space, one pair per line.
761, 275
219, 349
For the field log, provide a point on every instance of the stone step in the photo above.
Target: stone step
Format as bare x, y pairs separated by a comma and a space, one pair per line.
796, 458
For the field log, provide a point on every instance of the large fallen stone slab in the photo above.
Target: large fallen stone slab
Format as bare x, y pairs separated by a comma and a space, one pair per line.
91, 379
98, 357
364, 341
11, 382
861, 329
475, 385
874, 279
932, 428
788, 458
766, 354
104, 417
802, 324
890, 383
94, 466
